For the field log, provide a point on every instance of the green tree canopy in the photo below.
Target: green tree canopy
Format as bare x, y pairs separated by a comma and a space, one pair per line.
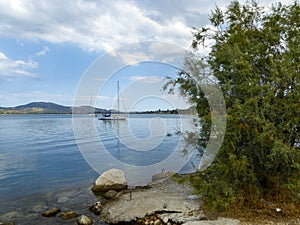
255, 56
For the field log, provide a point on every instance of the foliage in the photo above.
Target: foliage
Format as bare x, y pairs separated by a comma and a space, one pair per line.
255, 57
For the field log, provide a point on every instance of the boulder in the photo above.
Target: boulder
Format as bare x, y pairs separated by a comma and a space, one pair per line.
113, 179
84, 220
51, 212
68, 215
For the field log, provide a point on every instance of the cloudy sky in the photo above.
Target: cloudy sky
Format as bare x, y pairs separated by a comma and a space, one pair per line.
47, 47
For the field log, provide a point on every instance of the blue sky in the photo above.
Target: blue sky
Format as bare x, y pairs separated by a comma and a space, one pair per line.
46, 47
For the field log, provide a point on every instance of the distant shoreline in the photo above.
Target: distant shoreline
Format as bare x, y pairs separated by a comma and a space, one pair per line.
53, 108
53, 113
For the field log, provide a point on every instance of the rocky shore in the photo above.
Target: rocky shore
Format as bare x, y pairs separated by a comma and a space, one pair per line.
162, 202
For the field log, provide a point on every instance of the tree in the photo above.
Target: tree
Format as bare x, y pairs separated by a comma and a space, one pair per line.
255, 57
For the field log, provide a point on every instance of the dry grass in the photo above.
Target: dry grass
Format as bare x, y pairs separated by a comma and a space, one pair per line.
264, 213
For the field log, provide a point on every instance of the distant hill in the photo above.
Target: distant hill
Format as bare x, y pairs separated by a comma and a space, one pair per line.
44, 107
48, 107
88, 109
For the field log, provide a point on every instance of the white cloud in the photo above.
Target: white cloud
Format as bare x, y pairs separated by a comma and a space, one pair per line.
20, 98
101, 97
134, 56
154, 51
37, 94
91, 100
43, 52
16, 68
105, 25
93, 25
144, 79
3, 57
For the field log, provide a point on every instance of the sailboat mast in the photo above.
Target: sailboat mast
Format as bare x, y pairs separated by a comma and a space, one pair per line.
118, 89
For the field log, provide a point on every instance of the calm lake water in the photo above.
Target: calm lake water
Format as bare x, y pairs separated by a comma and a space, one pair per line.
40, 153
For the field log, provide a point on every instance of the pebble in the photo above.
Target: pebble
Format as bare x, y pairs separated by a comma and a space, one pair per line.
84, 220
96, 209
154, 220
165, 219
192, 197
38, 207
62, 200
158, 222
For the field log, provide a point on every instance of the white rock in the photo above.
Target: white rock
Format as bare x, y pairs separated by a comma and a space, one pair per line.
192, 197
278, 210
111, 177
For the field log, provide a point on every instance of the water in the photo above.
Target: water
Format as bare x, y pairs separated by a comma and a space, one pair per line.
40, 154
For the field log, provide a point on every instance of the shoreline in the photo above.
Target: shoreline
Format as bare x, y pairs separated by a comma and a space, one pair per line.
28, 209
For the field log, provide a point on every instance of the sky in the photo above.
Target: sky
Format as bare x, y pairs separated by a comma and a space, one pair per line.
74, 52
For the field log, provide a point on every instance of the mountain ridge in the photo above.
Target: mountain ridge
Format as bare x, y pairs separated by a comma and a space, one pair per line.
49, 107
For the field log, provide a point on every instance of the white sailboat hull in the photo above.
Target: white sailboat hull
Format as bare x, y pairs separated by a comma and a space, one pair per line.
114, 117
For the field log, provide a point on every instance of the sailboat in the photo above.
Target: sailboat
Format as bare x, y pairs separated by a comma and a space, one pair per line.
115, 116
91, 103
